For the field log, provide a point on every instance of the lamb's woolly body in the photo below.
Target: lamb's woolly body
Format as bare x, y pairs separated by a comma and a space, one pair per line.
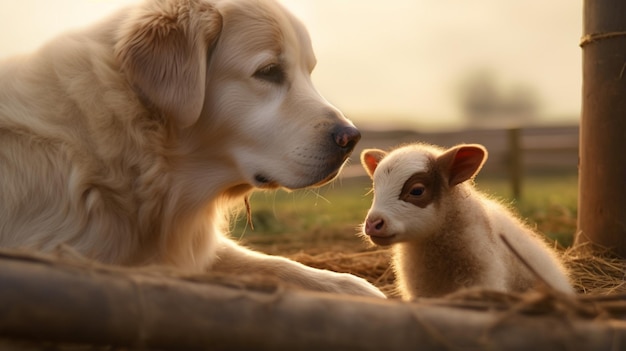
455, 241
467, 251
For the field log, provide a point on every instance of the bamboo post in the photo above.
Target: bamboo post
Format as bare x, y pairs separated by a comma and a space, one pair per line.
602, 173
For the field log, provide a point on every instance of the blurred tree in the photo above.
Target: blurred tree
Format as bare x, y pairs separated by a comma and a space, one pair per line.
483, 101
522, 103
478, 95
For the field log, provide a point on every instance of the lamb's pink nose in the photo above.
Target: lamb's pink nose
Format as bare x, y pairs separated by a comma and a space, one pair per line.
374, 226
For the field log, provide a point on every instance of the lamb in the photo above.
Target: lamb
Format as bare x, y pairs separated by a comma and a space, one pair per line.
444, 232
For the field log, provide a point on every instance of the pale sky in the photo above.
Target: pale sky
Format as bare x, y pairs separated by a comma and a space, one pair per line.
392, 59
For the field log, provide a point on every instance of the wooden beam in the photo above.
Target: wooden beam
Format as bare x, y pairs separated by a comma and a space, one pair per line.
53, 303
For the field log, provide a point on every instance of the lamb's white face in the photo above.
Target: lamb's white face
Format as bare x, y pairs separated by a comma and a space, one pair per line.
407, 188
410, 185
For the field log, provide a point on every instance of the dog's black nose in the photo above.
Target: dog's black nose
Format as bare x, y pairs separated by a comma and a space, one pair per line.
346, 137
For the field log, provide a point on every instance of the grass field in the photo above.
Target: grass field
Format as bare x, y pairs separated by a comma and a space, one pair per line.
327, 218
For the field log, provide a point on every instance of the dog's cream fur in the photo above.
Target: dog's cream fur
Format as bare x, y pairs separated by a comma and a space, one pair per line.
128, 141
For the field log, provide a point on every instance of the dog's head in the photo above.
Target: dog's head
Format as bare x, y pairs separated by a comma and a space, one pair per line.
233, 79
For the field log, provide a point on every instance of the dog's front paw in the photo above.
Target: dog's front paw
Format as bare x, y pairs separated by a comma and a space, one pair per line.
344, 283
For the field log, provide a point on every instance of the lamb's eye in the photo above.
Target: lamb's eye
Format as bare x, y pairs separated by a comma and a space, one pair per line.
417, 190
273, 73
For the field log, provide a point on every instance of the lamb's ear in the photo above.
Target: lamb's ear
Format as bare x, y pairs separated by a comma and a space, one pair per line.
163, 49
370, 158
462, 162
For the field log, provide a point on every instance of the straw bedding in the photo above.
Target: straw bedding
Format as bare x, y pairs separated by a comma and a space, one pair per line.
591, 272
599, 279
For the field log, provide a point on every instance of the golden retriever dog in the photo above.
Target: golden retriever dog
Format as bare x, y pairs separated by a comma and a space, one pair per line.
129, 141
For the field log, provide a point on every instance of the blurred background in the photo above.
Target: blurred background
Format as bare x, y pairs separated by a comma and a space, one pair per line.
419, 64
506, 74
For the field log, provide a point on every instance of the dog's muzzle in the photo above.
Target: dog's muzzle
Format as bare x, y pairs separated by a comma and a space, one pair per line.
335, 152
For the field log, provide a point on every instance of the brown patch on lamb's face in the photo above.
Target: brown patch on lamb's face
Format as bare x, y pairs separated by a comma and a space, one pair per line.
422, 188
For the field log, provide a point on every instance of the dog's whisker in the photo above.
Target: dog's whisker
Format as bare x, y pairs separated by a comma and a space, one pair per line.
319, 196
246, 201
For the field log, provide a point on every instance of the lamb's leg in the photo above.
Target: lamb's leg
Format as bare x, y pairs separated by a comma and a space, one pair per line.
235, 259
550, 270
538, 261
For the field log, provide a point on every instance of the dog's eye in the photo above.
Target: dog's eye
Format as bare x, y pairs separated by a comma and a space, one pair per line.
273, 73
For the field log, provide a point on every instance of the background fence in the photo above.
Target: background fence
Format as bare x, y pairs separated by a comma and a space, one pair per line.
513, 153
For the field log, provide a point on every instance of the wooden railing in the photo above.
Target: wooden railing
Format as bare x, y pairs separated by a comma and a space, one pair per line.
514, 153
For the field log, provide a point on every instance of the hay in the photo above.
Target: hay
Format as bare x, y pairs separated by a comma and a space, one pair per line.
372, 265
592, 272
595, 272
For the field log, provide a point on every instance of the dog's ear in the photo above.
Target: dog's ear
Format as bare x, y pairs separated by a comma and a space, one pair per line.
163, 49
